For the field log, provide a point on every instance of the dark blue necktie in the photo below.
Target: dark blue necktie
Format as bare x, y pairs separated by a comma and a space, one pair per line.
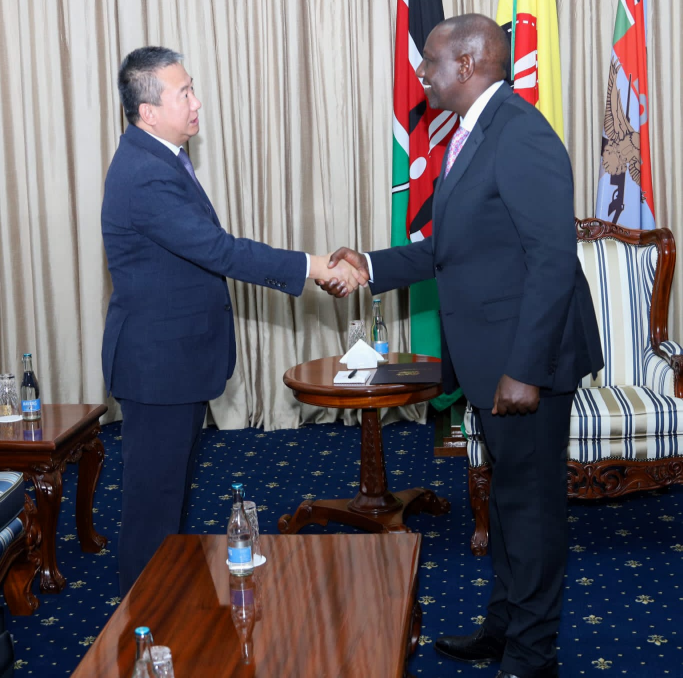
187, 163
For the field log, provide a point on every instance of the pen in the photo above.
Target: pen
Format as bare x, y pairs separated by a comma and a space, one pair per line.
352, 374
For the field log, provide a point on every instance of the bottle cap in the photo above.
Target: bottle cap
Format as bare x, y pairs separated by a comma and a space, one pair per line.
27, 355
237, 486
142, 630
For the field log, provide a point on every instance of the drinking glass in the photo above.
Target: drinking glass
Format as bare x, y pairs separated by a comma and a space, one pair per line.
252, 517
163, 663
356, 332
10, 409
258, 603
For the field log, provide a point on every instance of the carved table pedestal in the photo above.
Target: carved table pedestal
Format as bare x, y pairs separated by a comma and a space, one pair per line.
375, 508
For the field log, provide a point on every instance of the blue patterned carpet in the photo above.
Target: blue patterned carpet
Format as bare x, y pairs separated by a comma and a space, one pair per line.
623, 612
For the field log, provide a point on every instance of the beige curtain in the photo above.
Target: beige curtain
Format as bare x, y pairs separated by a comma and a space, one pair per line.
294, 150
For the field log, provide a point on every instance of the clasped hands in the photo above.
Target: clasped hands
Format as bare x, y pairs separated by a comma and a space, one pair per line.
341, 272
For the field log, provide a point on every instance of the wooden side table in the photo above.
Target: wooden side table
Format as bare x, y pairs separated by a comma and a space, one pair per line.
67, 434
374, 508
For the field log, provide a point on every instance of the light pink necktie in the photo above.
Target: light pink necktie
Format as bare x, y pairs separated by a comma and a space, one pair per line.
457, 142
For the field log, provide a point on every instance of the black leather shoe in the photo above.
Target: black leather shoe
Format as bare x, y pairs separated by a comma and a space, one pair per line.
477, 647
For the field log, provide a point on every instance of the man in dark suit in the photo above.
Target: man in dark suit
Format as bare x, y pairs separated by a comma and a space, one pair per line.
169, 343
518, 326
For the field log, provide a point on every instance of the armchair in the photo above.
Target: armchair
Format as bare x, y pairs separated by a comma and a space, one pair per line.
625, 434
20, 539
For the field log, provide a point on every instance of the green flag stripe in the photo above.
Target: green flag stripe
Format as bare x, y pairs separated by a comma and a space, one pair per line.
399, 200
401, 135
623, 22
513, 28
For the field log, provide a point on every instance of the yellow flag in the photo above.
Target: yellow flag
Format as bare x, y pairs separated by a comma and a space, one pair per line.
534, 37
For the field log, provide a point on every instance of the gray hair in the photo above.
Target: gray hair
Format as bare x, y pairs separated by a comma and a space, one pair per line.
138, 81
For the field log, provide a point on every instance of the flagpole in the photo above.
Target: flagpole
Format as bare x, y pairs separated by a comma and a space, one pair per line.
512, 43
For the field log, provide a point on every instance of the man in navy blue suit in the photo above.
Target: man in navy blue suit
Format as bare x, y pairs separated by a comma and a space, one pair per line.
518, 326
169, 342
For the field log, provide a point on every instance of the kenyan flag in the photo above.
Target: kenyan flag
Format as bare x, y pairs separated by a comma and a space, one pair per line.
421, 136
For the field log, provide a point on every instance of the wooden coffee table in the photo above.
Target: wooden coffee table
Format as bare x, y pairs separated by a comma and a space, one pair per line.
67, 433
327, 605
375, 508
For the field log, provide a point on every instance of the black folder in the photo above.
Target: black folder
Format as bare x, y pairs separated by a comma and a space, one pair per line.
408, 373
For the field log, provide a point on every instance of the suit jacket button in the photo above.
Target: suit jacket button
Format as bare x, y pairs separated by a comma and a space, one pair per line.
439, 267
227, 307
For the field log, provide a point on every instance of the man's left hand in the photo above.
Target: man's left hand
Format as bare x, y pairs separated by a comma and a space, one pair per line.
515, 397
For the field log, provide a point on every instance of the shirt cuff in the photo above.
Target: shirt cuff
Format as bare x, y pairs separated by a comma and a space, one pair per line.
367, 257
308, 264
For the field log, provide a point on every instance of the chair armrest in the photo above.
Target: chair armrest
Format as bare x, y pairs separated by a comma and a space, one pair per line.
664, 369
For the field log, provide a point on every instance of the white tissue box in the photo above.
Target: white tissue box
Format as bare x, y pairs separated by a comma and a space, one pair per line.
361, 356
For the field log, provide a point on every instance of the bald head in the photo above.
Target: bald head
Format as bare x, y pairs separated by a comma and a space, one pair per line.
462, 58
484, 40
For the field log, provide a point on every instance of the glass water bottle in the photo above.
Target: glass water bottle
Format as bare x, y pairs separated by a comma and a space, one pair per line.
240, 556
380, 336
30, 391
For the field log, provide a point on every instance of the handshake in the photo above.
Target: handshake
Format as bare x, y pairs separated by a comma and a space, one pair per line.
341, 272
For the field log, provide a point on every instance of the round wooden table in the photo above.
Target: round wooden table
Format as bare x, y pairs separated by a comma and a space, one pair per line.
374, 508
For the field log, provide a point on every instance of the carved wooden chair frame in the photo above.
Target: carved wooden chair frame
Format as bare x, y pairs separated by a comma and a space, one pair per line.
608, 477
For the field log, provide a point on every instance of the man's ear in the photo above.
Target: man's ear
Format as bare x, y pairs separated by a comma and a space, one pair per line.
147, 114
465, 67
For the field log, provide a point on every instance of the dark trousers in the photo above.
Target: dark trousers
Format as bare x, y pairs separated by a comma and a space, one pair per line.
160, 445
528, 532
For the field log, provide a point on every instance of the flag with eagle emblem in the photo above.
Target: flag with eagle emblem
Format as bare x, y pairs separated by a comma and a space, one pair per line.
531, 27
625, 183
421, 136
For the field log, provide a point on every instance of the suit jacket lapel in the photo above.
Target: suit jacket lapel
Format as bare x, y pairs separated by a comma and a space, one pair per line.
149, 143
445, 185
200, 190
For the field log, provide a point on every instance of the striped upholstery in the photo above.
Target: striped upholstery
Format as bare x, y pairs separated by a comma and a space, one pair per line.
632, 422
659, 375
630, 410
11, 496
11, 505
476, 449
620, 277
13, 531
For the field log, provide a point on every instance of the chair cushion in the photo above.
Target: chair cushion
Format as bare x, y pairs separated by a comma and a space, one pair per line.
632, 422
620, 277
11, 496
628, 422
